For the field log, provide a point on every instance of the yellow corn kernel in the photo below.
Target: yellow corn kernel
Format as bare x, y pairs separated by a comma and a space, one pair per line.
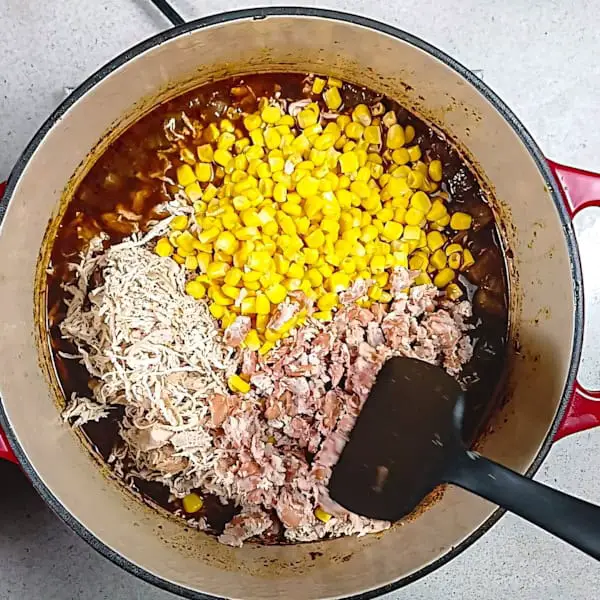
400, 259
272, 139
191, 263
435, 240
435, 171
204, 259
252, 340
262, 305
216, 311
315, 239
185, 175
438, 259
211, 133
205, 153
222, 157
389, 118
392, 231
252, 122
385, 214
307, 118
246, 233
307, 187
321, 514
193, 191
452, 248
395, 137
314, 277
248, 305
280, 192
276, 293
237, 384
443, 277
414, 153
468, 260
271, 114
318, 85
266, 348
220, 298
437, 211
421, 201
372, 134
377, 264
375, 292
460, 221
217, 270
361, 114
354, 131
409, 133
192, 503
258, 138
338, 282
241, 144
414, 216
233, 276
415, 179
396, 187
241, 203
195, 289
163, 247
179, 223
226, 242
453, 291
250, 218
327, 301
226, 125
443, 222
423, 279
418, 261
368, 233
226, 140
332, 98
411, 232
296, 271
230, 291
324, 141
400, 156
209, 192
454, 260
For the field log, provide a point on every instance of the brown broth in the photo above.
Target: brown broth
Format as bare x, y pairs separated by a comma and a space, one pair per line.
118, 185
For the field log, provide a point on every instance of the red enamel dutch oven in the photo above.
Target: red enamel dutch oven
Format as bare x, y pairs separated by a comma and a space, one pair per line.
534, 201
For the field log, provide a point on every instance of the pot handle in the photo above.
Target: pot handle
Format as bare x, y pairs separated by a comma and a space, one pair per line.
5, 450
580, 189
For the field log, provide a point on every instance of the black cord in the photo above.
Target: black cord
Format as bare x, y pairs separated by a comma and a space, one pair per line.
169, 12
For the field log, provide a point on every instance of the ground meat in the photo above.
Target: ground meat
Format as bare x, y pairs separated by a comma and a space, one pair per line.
312, 388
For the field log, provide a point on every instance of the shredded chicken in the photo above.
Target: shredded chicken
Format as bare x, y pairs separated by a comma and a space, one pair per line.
154, 350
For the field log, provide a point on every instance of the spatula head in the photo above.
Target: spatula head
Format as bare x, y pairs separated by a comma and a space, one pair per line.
406, 434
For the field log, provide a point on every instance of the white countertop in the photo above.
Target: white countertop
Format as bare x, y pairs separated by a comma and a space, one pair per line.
540, 57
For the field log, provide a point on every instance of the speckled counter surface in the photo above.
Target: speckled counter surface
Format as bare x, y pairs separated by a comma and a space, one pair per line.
540, 57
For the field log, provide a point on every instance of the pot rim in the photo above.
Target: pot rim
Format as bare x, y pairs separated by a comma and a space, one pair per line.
497, 103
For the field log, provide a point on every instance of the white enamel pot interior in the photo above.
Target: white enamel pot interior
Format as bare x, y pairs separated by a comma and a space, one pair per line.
545, 315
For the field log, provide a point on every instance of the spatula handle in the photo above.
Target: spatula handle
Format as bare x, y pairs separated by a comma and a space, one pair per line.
575, 521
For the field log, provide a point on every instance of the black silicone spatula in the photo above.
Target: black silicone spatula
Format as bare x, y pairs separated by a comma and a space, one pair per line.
407, 440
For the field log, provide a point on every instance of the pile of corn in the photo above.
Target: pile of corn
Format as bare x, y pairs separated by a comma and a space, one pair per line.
283, 203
